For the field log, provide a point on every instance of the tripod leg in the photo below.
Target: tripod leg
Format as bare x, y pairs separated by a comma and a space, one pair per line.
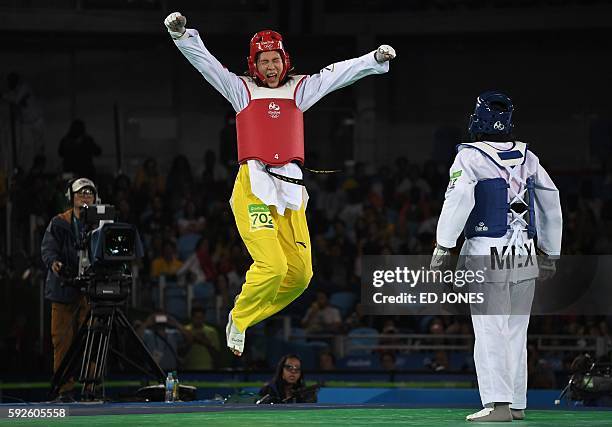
101, 364
87, 355
94, 358
93, 342
155, 371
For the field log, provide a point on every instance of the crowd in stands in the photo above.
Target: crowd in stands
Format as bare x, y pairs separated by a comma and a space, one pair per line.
190, 240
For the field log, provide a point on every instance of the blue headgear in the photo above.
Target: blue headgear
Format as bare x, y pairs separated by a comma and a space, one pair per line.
492, 115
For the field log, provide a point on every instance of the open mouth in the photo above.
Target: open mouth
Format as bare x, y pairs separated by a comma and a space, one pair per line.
271, 75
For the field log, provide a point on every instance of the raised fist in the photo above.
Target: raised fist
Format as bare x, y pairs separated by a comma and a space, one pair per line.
175, 22
384, 53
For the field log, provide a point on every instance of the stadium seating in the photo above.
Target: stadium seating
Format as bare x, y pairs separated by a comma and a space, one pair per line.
344, 301
362, 337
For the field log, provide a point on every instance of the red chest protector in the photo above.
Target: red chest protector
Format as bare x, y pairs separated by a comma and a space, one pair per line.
271, 127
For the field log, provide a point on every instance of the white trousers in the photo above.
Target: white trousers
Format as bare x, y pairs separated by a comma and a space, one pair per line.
500, 348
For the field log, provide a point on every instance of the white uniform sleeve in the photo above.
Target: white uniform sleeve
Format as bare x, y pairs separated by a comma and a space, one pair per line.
458, 200
548, 217
224, 81
336, 76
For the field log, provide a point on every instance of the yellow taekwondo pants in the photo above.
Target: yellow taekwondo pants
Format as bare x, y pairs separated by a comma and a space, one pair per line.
280, 248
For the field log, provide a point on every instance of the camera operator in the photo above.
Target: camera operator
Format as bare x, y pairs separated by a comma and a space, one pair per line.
59, 254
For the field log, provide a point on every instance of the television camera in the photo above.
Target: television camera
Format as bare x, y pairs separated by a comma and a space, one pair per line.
104, 255
105, 252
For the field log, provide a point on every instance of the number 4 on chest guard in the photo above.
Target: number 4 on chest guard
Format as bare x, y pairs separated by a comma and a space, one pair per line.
261, 218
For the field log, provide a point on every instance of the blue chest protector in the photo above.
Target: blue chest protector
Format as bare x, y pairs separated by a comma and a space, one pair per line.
490, 215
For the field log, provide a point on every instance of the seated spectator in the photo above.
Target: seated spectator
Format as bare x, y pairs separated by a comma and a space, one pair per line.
288, 384
207, 263
357, 319
192, 271
124, 212
205, 342
189, 220
165, 338
179, 181
213, 176
322, 317
153, 216
387, 361
148, 180
122, 189
327, 361
388, 339
440, 359
167, 264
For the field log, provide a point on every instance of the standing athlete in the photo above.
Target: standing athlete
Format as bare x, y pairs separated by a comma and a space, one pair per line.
268, 200
501, 198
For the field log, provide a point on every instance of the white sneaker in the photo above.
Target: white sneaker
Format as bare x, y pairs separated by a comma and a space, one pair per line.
235, 338
497, 414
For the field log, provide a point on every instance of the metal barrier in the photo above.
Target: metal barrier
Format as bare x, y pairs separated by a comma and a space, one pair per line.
597, 345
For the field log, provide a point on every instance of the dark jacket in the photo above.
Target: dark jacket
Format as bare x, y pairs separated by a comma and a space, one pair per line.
271, 393
59, 244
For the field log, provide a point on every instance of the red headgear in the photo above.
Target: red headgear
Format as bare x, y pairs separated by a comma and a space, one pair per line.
266, 41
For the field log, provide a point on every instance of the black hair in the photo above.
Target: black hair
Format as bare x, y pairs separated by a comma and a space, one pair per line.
277, 380
197, 309
77, 128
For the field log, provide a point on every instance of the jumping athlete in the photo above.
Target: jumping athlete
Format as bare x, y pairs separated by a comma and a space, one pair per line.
268, 200
501, 198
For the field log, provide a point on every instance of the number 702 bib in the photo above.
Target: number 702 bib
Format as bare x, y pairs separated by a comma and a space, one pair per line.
260, 217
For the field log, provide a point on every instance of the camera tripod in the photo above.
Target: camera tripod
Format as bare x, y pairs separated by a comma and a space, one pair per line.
104, 321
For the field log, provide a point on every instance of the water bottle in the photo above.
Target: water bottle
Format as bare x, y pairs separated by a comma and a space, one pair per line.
175, 388
169, 388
